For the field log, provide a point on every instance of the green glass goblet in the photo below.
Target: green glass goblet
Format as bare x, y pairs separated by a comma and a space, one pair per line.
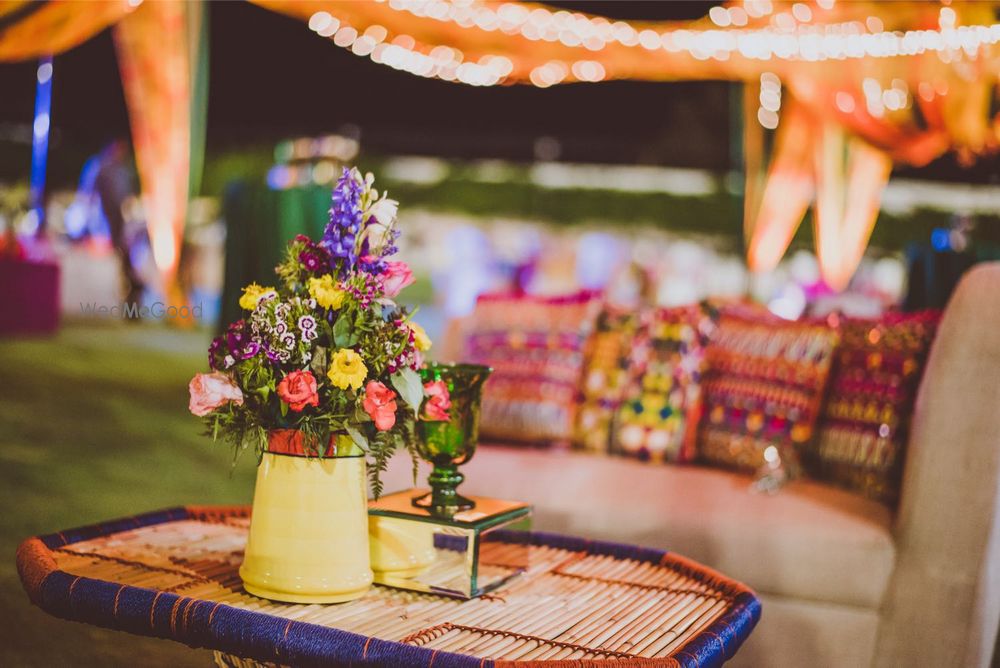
447, 444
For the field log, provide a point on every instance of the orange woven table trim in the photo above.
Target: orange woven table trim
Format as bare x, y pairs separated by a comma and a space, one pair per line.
34, 564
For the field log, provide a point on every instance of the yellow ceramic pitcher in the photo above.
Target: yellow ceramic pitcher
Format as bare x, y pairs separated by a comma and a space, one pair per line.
308, 540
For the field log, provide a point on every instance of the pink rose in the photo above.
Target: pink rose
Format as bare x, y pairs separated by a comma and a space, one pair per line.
298, 390
438, 401
380, 404
210, 391
397, 275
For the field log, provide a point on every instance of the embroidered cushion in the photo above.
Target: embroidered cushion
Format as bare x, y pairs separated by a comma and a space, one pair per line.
535, 346
606, 377
865, 421
658, 420
763, 385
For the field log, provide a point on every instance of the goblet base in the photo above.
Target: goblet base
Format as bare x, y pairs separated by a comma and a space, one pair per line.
456, 503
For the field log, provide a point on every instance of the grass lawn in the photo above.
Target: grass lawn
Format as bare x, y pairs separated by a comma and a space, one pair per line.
93, 426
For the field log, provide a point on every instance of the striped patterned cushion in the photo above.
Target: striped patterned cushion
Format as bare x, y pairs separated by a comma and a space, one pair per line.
763, 385
865, 422
535, 346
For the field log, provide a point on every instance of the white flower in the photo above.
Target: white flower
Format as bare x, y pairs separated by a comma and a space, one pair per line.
229, 361
385, 211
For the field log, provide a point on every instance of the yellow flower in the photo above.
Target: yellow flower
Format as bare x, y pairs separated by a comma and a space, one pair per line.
347, 369
252, 294
326, 293
420, 338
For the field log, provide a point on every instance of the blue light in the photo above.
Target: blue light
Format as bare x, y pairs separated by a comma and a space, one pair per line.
941, 239
278, 177
40, 137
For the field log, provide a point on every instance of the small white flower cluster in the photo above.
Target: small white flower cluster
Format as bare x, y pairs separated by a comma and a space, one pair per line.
285, 329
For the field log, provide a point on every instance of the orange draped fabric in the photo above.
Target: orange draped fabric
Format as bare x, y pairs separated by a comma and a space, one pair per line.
788, 191
846, 175
51, 27
850, 176
154, 52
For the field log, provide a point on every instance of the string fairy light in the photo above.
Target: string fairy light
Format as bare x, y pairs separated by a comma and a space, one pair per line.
788, 35
441, 62
770, 100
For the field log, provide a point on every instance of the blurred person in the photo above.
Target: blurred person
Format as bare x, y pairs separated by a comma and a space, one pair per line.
84, 216
114, 186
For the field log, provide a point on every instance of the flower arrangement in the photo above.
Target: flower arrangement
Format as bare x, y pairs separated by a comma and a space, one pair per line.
327, 351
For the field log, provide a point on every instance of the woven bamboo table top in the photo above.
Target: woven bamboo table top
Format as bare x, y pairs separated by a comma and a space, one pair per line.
173, 574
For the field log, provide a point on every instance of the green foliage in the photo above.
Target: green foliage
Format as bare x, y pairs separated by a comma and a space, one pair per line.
407, 382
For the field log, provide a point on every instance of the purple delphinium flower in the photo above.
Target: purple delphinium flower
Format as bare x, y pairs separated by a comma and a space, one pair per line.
372, 265
390, 248
376, 264
342, 231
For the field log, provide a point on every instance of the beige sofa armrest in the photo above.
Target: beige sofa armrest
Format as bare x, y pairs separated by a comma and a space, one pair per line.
943, 604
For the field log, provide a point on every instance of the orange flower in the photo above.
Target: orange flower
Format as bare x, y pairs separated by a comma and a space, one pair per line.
380, 404
298, 390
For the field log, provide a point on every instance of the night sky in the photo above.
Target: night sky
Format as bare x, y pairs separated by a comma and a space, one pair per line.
271, 78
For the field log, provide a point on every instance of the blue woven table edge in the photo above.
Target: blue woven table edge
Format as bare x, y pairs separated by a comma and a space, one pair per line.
263, 637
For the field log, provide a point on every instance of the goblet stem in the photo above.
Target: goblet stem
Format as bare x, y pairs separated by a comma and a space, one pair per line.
444, 500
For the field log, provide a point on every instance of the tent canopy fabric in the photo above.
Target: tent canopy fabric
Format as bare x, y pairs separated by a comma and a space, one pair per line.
903, 82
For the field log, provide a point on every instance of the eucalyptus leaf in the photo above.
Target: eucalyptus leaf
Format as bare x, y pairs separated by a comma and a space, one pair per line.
343, 330
359, 439
411, 389
318, 363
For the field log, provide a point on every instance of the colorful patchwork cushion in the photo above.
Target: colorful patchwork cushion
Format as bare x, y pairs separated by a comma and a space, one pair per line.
762, 387
605, 377
873, 385
535, 346
658, 420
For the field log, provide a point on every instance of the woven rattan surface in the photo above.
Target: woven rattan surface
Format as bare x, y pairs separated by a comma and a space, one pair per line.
174, 574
